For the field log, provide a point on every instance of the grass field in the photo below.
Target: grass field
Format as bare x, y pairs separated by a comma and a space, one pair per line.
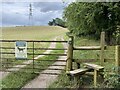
32, 32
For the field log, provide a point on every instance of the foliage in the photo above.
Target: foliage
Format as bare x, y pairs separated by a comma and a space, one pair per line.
57, 22
111, 80
92, 18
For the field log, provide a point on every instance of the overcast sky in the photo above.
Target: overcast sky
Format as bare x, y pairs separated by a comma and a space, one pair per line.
17, 13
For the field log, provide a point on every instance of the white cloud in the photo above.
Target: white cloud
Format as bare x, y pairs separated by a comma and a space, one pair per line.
18, 13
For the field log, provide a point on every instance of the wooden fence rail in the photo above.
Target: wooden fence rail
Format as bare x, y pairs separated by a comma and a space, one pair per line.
32, 41
88, 48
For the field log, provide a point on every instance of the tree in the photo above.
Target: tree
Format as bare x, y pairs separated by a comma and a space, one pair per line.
92, 18
50, 23
57, 22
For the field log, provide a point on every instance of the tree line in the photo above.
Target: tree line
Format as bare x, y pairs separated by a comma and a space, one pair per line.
90, 19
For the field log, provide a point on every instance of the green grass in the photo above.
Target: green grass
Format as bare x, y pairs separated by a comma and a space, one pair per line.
32, 32
20, 78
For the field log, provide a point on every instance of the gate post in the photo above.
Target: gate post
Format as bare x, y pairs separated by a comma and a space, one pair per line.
69, 54
102, 44
33, 56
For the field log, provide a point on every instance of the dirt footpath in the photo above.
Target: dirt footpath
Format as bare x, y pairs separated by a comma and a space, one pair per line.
44, 80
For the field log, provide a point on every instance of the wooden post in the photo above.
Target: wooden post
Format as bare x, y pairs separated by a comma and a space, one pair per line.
102, 44
69, 54
95, 78
117, 58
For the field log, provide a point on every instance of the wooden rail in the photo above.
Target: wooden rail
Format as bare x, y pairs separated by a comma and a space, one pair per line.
88, 48
31, 59
35, 54
36, 48
32, 41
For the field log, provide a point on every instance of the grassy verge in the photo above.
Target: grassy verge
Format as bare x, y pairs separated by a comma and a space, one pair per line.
20, 78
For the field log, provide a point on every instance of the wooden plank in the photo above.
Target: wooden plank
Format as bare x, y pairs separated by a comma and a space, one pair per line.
88, 48
78, 71
94, 66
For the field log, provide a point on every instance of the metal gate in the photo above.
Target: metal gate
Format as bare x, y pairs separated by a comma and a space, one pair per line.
36, 61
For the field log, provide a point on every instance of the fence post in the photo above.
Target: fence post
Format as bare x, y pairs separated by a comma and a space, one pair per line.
102, 44
33, 56
117, 58
69, 54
